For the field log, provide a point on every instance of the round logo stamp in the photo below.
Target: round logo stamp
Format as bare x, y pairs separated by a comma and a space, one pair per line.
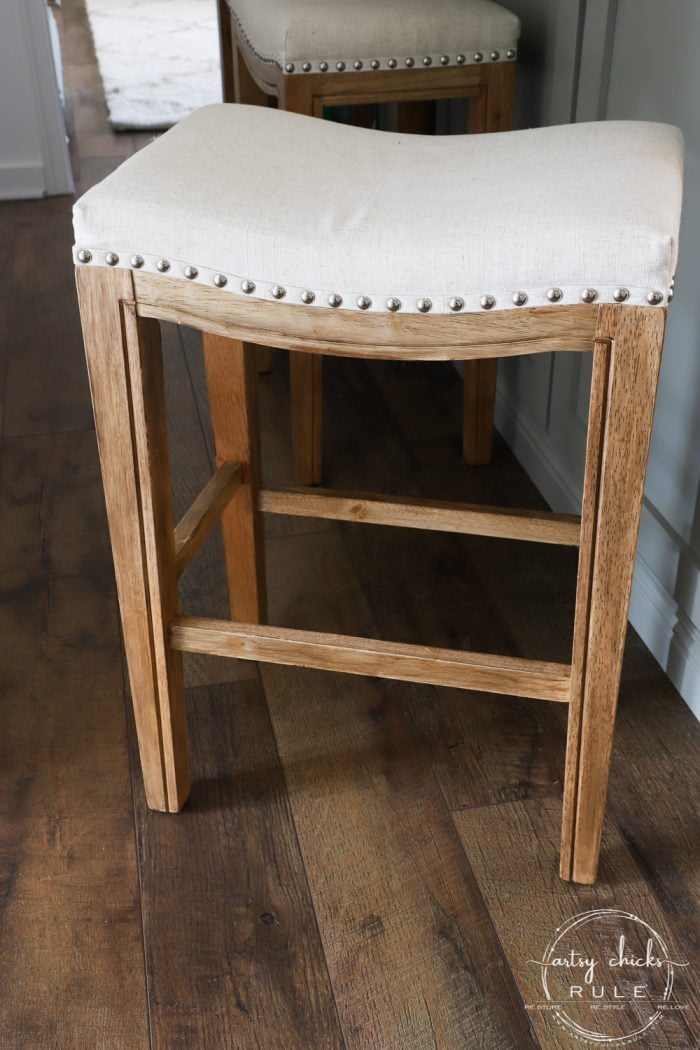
607, 976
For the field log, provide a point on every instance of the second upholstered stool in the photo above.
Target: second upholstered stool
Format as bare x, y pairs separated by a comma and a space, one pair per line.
326, 52
221, 224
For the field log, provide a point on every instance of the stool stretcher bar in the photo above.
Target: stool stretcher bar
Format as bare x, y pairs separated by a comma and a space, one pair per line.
377, 659
196, 523
414, 513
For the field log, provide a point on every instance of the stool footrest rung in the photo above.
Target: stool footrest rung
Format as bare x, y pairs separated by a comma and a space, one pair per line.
511, 676
197, 522
416, 513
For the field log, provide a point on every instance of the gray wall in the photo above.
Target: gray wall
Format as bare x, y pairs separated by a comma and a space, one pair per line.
624, 60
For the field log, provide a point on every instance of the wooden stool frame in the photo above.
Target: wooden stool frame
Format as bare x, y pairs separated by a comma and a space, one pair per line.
120, 311
489, 87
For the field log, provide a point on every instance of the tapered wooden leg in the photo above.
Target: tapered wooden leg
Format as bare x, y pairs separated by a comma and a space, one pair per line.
490, 110
126, 380
625, 374
479, 397
232, 381
226, 48
306, 389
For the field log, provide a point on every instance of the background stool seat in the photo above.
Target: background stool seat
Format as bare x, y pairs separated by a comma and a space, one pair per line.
345, 217
327, 31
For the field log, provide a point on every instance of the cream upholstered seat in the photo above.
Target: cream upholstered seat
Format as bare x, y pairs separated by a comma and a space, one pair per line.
350, 218
319, 35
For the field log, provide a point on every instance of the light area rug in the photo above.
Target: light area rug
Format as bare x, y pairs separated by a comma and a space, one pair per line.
159, 59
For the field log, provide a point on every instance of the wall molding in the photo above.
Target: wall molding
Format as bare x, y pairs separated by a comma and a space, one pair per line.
663, 626
19, 181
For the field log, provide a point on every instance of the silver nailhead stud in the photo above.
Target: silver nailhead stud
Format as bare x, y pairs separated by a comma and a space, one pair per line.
357, 64
669, 297
393, 304
308, 296
654, 298
456, 303
278, 292
191, 272
136, 261
334, 299
374, 63
219, 279
289, 68
392, 63
478, 57
84, 256
554, 295
424, 305
495, 55
487, 302
510, 53
364, 302
323, 66
519, 298
444, 60
111, 258
620, 294
340, 66
461, 59
589, 295
306, 66
162, 265
248, 286
410, 62
427, 61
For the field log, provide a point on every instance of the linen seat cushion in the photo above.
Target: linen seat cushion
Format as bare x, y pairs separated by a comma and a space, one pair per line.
290, 33
309, 210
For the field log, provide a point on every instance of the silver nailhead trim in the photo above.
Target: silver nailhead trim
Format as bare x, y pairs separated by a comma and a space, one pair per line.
220, 280
519, 298
364, 302
424, 305
461, 59
456, 303
335, 300
393, 304
487, 302
478, 57
340, 66
136, 261
306, 66
289, 68
620, 294
162, 265
392, 63
444, 60
375, 63
589, 295
307, 296
427, 61
248, 286
323, 66
84, 256
670, 295
510, 53
654, 298
555, 295
191, 272
278, 292
495, 55
111, 258
357, 65
410, 62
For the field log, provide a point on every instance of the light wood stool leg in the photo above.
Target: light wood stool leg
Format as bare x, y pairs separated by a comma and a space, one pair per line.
625, 375
306, 389
232, 380
491, 110
126, 380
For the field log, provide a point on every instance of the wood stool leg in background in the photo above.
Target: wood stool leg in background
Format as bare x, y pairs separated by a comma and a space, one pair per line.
126, 380
625, 373
232, 381
306, 389
490, 110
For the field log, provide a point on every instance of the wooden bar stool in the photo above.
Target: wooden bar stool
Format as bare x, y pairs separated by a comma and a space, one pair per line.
329, 53
559, 238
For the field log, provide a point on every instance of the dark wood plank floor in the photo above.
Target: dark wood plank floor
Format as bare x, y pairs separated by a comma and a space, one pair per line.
363, 864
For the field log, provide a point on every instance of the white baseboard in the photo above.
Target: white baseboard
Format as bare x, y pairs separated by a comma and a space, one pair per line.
665, 628
22, 181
